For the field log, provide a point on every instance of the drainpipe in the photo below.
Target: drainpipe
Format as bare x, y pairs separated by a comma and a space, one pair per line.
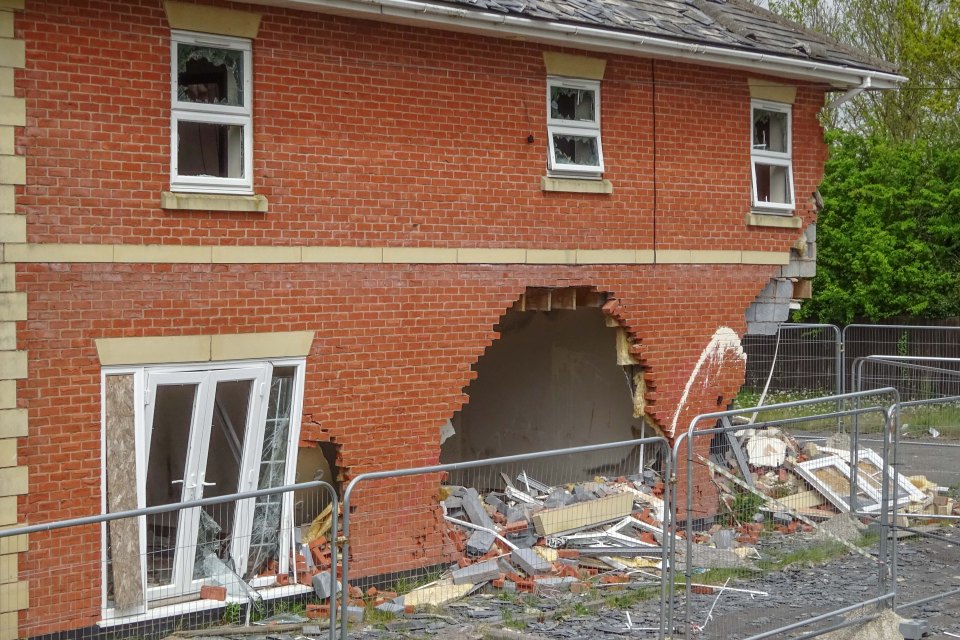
865, 84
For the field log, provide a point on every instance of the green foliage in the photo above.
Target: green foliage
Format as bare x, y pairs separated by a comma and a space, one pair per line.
233, 613
921, 38
745, 506
888, 239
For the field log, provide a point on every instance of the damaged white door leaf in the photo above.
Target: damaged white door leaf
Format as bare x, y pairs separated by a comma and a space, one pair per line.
830, 476
869, 471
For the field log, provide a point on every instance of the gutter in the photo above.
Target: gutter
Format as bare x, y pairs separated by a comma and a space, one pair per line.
421, 13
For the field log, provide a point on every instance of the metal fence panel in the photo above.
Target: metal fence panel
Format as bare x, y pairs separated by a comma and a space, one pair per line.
173, 567
799, 361
762, 519
536, 531
928, 453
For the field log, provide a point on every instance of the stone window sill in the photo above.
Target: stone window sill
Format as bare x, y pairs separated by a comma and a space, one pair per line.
764, 219
212, 202
575, 185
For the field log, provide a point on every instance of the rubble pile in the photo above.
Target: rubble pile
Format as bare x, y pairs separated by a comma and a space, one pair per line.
795, 482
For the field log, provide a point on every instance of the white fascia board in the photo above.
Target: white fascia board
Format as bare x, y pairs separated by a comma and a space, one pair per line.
419, 13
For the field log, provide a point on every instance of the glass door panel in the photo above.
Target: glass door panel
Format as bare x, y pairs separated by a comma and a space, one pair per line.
265, 536
223, 470
172, 408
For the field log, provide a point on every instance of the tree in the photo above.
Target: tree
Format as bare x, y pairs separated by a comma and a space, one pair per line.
921, 37
888, 238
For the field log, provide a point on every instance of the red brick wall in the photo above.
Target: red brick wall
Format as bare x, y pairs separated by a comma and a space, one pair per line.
365, 134
377, 134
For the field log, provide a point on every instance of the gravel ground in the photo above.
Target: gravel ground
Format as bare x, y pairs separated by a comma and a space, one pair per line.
795, 593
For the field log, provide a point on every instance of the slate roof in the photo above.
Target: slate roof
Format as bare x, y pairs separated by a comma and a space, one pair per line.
733, 24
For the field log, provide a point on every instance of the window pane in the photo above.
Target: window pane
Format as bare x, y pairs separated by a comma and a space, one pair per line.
265, 538
572, 104
223, 471
209, 149
773, 184
770, 130
166, 472
570, 149
210, 75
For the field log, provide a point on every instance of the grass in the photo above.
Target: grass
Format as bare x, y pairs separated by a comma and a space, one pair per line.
512, 622
630, 597
376, 617
408, 584
915, 420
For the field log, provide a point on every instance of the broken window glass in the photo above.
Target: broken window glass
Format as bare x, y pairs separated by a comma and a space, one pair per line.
265, 537
568, 103
574, 149
209, 75
211, 117
770, 132
770, 149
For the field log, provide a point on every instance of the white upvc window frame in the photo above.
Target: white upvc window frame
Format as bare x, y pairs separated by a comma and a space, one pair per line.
184, 111
141, 385
772, 158
582, 128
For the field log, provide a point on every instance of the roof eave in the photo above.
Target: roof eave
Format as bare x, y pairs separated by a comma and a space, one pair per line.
421, 13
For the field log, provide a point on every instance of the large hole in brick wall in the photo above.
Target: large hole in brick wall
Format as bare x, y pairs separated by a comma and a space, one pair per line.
551, 381
317, 462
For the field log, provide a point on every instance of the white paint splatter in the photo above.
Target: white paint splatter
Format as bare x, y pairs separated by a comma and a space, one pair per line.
724, 339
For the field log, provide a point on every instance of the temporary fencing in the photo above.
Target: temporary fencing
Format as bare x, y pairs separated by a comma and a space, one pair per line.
799, 361
147, 573
431, 535
928, 452
753, 504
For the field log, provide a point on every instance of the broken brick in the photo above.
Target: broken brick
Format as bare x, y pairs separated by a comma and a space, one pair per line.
211, 592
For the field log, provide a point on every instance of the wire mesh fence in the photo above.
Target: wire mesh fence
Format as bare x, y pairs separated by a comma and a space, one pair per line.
860, 341
151, 573
799, 361
928, 452
521, 541
772, 539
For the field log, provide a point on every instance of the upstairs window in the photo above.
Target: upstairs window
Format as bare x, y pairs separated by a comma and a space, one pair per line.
771, 156
573, 125
211, 125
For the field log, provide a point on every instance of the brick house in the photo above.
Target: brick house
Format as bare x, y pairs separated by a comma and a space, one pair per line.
344, 228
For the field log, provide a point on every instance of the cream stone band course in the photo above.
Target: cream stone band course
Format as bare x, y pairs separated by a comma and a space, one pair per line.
179, 254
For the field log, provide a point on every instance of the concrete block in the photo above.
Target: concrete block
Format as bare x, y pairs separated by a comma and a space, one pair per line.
8, 394
555, 583
476, 573
322, 585
13, 228
13, 423
530, 561
480, 542
475, 510
391, 607
8, 336
13, 306
914, 629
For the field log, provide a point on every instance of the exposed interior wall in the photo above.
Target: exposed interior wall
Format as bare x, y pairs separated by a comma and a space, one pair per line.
551, 381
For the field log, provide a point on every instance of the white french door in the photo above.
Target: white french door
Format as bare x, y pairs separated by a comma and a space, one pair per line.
203, 438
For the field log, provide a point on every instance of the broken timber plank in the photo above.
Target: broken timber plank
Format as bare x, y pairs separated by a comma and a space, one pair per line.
583, 514
801, 500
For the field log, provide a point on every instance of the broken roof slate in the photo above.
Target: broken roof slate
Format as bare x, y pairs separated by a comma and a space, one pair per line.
735, 24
